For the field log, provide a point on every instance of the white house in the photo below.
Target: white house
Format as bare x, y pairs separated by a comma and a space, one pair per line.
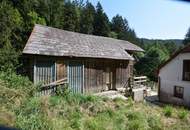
174, 78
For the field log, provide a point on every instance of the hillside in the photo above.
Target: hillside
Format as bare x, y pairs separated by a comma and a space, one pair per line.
21, 109
152, 41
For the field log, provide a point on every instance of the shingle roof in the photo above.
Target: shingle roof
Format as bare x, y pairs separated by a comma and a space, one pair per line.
56, 42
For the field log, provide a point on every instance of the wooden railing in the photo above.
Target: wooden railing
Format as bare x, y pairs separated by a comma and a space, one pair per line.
139, 81
136, 82
51, 88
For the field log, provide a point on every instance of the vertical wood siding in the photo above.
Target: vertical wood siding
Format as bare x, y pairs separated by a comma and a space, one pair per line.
123, 73
75, 76
84, 75
44, 71
101, 75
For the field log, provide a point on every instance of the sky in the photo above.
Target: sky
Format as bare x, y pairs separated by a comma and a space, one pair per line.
153, 19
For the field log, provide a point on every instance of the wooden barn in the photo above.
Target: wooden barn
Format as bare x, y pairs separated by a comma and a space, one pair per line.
89, 63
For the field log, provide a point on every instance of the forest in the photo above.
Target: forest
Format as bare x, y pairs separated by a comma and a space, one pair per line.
19, 16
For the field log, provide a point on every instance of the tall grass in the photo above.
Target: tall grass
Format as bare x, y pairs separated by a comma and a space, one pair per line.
183, 113
168, 110
18, 108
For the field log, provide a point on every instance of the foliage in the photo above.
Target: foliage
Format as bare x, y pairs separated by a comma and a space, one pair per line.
10, 21
187, 38
14, 81
101, 22
153, 57
168, 111
71, 17
183, 113
35, 19
87, 19
62, 90
74, 111
8, 58
120, 26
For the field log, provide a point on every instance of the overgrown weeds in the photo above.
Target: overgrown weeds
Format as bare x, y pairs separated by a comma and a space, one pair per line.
80, 112
183, 113
168, 111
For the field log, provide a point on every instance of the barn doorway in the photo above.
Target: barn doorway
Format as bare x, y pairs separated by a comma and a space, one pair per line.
75, 76
110, 77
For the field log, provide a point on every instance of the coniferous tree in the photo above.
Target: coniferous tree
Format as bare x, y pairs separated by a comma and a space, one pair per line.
117, 24
87, 19
71, 17
52, 11
10, 23
171, 47
101, 22
121, 27
187, 38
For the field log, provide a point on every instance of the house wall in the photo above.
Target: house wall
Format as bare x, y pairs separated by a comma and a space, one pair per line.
171, 75
96, 72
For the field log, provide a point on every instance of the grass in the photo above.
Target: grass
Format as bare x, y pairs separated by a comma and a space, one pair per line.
87, 112
183, 114
168, 111
20, 109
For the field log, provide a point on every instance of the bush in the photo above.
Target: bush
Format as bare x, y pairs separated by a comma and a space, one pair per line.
33, 122
62, 90
137, 121
182, 114
14, 81
154, 122
168, 111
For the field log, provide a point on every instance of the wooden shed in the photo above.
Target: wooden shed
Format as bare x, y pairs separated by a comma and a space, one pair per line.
90, 63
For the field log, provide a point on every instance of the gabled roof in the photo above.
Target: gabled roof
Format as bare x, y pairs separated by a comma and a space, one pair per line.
56, 42
185, 49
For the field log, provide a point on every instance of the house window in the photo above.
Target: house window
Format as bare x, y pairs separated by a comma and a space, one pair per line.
186, 70
178, 91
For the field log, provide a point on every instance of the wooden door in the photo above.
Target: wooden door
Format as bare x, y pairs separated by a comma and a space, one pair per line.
75, 76
110, 77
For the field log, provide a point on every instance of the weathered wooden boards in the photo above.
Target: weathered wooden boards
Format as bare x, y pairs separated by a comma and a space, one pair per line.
97, 75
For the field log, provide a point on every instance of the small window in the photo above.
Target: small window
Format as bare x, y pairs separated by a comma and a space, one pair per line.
186, 70
178, 91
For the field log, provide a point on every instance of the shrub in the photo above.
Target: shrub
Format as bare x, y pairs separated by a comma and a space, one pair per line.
182, 114
168, 111
130, 102
14, 81
62, 90
137, 121
154, 122
33, 122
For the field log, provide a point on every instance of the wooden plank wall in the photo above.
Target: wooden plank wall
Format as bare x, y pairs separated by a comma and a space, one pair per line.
123, 72
95, 72
94, 79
